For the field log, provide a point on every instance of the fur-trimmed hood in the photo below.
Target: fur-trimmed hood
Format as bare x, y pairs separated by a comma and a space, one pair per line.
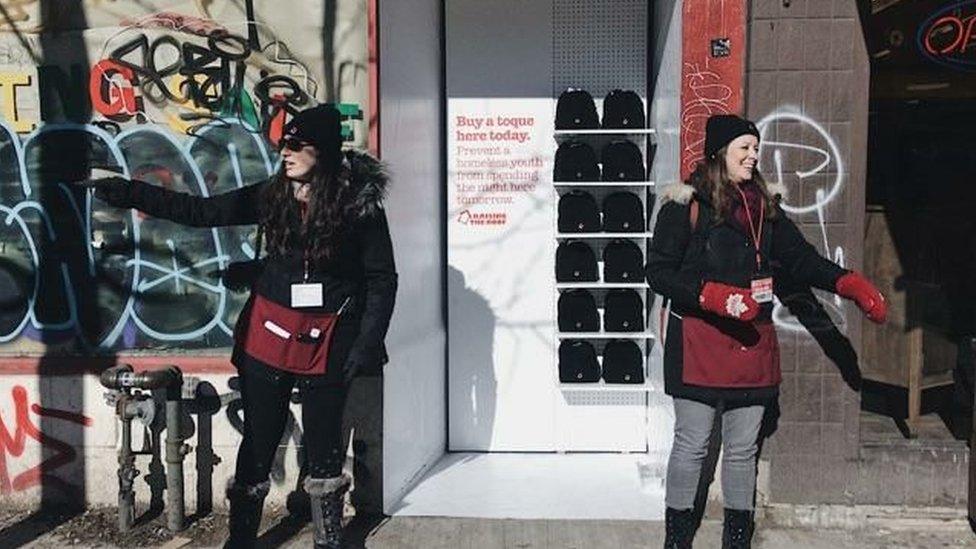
369, 175
683, 192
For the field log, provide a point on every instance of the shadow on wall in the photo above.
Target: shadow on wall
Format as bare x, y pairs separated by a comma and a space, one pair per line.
60, 432
471, 370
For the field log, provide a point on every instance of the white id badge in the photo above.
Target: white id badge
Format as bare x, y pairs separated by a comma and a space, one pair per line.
306, 295
762, 289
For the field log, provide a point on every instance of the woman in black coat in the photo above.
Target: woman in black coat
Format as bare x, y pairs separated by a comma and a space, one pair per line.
717, 242
318, 311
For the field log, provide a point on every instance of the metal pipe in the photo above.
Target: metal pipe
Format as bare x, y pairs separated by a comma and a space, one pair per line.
122, 377
174, 451
110, 374
126, 474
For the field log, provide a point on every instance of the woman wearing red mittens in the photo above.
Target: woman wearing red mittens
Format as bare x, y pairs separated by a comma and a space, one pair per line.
717, 239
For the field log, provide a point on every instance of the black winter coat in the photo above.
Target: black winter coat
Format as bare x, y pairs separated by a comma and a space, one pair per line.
680, 261
363, 268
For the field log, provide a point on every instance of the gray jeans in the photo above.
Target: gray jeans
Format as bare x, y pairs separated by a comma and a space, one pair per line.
692, 429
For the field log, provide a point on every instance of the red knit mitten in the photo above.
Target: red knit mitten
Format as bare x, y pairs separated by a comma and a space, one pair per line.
854, 286
728, 301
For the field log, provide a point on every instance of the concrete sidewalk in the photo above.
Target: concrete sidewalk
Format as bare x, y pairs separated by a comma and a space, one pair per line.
885, 530
479, 534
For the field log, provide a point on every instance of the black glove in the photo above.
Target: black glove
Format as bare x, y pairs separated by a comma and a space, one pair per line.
240, 275
113, 189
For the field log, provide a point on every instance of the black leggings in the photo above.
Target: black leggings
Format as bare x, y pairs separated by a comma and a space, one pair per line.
265, 394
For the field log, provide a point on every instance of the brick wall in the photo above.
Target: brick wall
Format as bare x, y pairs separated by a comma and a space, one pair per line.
808, 74
807, 66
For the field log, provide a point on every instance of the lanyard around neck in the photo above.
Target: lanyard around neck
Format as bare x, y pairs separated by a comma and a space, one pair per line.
307, 255
755, 231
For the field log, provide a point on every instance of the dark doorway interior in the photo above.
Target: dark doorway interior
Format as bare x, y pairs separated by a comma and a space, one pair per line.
920, 229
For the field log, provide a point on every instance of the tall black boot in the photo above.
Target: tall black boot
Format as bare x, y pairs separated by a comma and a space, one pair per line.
246, 505
737, 530
679, 528
327, 499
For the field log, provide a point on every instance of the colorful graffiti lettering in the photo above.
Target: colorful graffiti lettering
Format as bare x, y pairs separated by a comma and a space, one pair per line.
160, 277
201, 73
77, 273
946, 37
152, 281
14, 443
9, 82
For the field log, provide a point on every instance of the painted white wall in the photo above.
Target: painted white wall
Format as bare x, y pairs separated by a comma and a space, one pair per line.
501, 383
502, 375
90, 446
411, 94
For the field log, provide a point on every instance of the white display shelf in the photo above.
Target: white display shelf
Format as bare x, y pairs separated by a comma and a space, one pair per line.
606, 335
602, 387
601, 131
575, 236
601, 285
603, 184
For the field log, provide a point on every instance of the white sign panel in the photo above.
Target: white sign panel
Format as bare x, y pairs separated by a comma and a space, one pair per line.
500, 281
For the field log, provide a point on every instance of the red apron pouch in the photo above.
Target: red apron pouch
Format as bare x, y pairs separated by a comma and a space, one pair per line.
288, 339
729, 354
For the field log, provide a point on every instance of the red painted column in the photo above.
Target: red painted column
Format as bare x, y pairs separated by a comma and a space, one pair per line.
709, 84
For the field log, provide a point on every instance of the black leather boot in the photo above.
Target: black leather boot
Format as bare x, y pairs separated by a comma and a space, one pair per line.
246, 505
737, 530
327, 499
679, 528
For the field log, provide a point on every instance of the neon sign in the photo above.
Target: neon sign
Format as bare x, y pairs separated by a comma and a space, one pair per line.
947, 36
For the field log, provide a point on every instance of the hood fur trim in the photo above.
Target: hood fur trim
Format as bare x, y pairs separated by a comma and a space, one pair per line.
775, 189
249, 491
677, 192
323, 486
683, 192
370, 176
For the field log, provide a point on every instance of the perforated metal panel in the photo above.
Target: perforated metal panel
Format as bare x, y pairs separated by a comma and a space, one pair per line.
599, 45
604, 398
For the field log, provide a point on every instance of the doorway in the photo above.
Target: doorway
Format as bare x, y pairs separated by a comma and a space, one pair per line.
920, 231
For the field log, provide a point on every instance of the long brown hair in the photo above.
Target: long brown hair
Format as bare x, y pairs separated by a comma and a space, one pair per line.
330, 206
711, 179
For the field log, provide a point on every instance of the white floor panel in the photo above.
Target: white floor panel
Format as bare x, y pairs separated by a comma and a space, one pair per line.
540, 486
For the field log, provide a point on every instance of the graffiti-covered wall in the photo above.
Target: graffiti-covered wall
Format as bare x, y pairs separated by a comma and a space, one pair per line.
189, 95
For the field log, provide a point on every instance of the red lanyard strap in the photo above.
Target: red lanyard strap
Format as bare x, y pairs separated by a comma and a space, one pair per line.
754, 231
307, 255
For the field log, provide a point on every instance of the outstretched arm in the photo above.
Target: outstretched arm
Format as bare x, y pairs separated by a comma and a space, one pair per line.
802, 263
237, 207
800, 259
